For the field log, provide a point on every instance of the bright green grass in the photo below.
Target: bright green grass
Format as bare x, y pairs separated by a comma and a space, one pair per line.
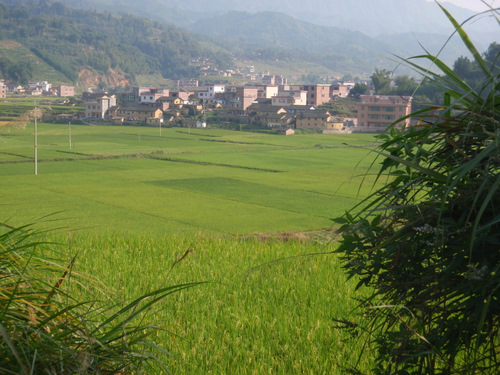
133, 203
268, 307
129, 179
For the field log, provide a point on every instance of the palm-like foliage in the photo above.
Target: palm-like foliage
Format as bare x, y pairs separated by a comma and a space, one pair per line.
428, 242
46, 328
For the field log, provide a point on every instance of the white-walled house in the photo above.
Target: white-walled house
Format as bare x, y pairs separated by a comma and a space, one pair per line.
210, 91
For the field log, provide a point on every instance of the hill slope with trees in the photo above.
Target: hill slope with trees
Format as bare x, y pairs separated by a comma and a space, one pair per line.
75, 41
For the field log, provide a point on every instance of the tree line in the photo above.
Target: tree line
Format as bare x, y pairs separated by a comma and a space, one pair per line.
428, 90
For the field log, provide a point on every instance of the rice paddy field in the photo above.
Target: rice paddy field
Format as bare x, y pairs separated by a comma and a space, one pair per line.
248, 213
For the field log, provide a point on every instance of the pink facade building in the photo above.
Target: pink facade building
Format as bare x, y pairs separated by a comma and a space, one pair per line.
245, 97
65, 91
378, 111
316, 94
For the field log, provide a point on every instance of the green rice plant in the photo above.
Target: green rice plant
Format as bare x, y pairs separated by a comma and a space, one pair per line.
428, 241
47, 327
270, 307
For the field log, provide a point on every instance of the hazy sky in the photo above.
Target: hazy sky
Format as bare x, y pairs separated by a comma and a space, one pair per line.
476, 5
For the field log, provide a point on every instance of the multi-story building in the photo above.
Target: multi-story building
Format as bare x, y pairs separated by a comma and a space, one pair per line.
244, 97
267, 91
98, 106
290, 97
316, 94
152, 94
65, 91
210, 91
341, 89
3, 89
377, 112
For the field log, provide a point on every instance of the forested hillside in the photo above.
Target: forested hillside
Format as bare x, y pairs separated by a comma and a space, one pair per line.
73, 42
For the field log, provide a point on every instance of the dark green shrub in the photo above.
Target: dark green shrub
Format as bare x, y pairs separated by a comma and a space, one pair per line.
428, 242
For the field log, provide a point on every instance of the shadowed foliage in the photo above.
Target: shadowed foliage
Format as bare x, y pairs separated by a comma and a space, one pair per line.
428, 241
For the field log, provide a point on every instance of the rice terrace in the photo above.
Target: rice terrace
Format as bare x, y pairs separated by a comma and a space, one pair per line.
242, 211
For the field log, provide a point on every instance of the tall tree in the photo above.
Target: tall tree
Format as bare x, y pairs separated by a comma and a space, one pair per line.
381, 80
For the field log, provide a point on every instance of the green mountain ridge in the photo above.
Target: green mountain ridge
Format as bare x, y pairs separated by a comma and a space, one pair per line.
74, 41
90, 47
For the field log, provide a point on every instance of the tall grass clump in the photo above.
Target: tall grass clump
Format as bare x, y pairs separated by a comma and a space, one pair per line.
56, 321
428, 242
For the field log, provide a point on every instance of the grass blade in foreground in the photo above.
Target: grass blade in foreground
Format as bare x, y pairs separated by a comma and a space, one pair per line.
48, 327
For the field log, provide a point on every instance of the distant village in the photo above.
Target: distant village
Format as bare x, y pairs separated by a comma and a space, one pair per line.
273, 104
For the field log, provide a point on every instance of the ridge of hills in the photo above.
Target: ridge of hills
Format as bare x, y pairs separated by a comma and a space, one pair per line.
70, 45
112, 47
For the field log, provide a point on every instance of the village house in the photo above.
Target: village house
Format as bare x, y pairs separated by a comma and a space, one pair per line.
279, 120
39, 86
341, 89
314, 119
187, 83
377, 112
267, 91
210, 91
316, 94
268, 115
3, 89
129, 99
150, 95
142, 114
290, 97
97, 105
244, 97
167, 102
15, 89
65, 91
182, 94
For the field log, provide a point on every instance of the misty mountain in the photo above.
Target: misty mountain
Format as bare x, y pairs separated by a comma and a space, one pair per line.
336, 48
370, 17
404, 22
344, 36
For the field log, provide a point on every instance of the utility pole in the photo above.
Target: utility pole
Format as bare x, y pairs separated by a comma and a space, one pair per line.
69, 127
36, 143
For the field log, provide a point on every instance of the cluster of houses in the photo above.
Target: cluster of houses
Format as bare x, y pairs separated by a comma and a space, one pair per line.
280, 106
42, 88
276, 106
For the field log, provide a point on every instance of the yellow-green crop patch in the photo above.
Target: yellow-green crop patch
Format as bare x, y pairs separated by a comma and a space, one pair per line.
145, 210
